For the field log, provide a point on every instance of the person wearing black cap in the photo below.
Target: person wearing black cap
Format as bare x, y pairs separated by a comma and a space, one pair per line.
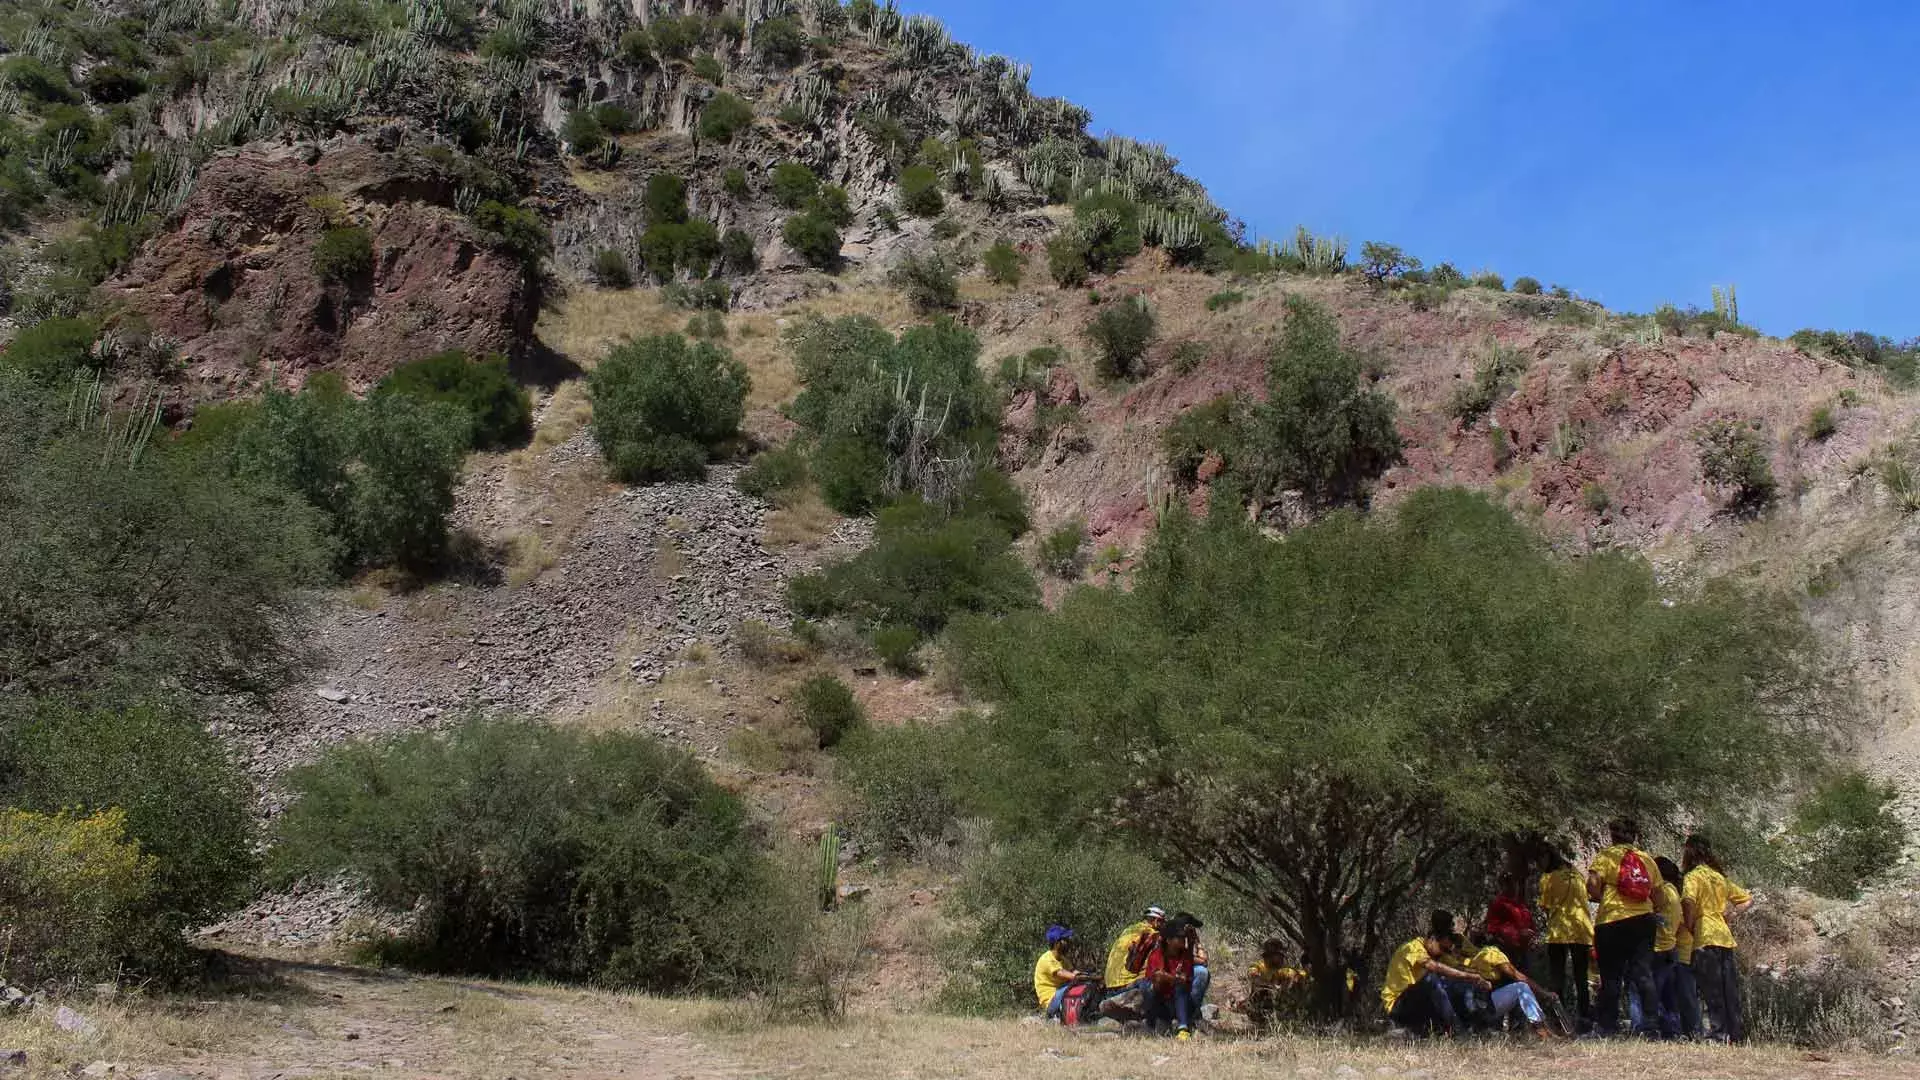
1051, 976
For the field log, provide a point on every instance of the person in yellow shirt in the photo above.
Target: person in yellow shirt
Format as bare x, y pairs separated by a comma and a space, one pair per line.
1272, 986
1118, 975
1563, 896
1512, 989
1051, 976
1706, 901
1621, 880
1413, 994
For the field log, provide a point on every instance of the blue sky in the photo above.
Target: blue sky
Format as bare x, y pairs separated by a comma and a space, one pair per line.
1637, 152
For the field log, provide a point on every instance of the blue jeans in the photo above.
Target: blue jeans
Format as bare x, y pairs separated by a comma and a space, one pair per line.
1178, 1008
1059, 999
1517, 995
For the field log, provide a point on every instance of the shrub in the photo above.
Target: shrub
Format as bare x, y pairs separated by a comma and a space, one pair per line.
1733, 458
1067, 261
774, 472
920, 192
793, 184
1846, 834
814, 238
734, 183
529, 850
780, 41
899, 649
71, 892
737, 254
498, 410
1009, 897
929, 281
1527, 286
343, 255
923, 568
1121, 334
1003, 264
51, 350
1063, 553
611, 269
724, 117
1225, 299
186, 804
660, 406
518, 231
1821, 423
828, 709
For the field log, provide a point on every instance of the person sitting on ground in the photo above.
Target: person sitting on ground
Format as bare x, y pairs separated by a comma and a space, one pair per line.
1621, 879
1051, 976
1414, 994
1706, 901
1189, 924
1512, 988
1563, 896
1169, 979
1127, 959
1272, 986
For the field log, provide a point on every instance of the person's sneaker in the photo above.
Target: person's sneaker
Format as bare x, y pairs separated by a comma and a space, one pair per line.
1183, 1035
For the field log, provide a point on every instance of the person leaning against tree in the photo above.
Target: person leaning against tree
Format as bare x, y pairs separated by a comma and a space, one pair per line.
1621, 879
1706, 900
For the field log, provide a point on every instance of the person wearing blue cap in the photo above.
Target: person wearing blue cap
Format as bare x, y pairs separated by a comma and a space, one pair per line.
1051, 976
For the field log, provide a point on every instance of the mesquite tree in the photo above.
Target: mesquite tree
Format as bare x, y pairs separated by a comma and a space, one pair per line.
1324, 724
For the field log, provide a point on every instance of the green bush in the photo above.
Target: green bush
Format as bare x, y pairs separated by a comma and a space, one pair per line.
793, 184
52, 350
535, 851
1063, 553
187, 804
813, 238
774, 473
1734, 458
661, 407
1846, 834
725, 117
1527, 286
1003, 264
780, 41
72, 890
1008, 898
1067, 261
611, 269
1225, 299
924, 568
500, 412
904, 784
929, 281
828, 709
920, 192
1121, 334
343, 255
899, 649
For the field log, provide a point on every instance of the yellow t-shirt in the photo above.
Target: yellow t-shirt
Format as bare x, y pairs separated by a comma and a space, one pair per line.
1613, 906
1563, 893
1047, 978
1117, 973
1409, 963
1712, 892
1487, 964
1666, 905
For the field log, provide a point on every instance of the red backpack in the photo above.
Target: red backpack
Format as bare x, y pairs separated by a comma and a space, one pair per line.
1635, 880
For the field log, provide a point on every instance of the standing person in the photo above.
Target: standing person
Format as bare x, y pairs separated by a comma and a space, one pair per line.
1169, 979
1512, 988
1563, 896
1680, 995
1414, 994
1051, 976
1128, 955
1621, 880
1705, 900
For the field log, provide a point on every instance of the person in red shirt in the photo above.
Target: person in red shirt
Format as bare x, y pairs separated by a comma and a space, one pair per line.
1169, 977
1510, 921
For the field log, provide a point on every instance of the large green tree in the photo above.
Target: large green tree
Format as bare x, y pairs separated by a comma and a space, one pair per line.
1323, 724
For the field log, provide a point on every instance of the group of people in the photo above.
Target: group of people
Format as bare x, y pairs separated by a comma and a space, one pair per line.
1156, 972
1656, 932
